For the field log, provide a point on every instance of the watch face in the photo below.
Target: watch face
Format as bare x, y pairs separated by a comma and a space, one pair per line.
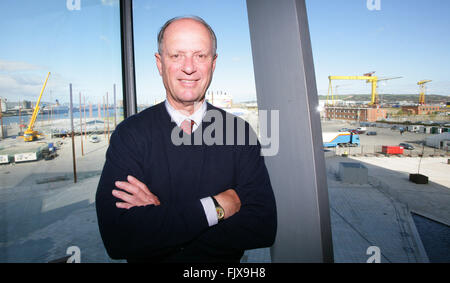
220, 213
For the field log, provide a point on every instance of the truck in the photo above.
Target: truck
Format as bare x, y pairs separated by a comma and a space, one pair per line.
49, 152
342, 139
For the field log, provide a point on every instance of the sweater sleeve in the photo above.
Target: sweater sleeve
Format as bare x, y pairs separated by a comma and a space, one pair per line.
255, 225
140, 232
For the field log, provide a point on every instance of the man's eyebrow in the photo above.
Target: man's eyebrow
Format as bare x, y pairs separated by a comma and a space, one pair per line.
184, 52
175, 52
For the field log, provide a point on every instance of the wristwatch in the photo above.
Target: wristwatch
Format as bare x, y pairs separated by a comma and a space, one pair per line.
219, 209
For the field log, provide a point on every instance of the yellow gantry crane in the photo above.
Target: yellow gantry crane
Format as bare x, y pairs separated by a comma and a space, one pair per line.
423, 90
369, 78
30, 134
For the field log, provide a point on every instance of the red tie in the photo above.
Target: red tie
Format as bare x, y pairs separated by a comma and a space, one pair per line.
187, 126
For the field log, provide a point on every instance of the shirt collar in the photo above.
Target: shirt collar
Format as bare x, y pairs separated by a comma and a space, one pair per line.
178, 117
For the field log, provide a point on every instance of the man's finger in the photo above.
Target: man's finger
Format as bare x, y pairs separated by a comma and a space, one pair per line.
124, 205
125, 197
132, 189
139, 199
139, 184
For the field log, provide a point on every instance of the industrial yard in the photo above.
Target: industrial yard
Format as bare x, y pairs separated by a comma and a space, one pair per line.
43, 211
371, 145
49, 175
417, 229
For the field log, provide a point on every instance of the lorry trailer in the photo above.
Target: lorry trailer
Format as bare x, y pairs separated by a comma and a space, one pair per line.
342, 139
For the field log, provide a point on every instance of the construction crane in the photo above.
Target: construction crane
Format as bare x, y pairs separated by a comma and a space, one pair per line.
423, 90
330, 89
30, 134
369, 78
386, 79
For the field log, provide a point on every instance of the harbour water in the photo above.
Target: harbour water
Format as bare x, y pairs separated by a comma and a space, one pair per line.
63, 115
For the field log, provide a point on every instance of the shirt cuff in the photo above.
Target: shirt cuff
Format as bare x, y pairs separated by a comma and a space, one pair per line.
210, 211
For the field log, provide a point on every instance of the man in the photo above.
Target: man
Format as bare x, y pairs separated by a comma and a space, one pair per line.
161, 202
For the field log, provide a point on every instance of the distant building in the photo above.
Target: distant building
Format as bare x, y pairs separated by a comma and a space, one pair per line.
26, 104
4, 106
361, 114
219, 99
421, 109
441, 141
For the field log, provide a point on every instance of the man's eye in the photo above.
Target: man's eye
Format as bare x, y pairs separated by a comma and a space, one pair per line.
175, 56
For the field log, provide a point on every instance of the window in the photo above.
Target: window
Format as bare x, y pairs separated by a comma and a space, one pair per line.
44, 214
389, 24
233, 86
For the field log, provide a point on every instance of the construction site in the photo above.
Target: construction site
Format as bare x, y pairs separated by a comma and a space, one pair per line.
375, 109
50, 168
396, 156
41, 139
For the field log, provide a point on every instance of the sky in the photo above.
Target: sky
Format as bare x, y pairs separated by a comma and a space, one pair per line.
404, 38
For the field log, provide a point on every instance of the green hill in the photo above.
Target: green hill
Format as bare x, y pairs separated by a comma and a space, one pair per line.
391, 98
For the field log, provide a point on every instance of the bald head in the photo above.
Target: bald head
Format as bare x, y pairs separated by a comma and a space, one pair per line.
193, 22
186, 60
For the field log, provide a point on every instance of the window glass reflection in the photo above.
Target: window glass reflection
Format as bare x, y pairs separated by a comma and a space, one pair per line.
383, 94
44, 214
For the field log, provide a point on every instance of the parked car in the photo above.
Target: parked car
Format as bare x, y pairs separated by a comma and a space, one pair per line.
361, 130
344, 130
94, 139
371, 133
406, 146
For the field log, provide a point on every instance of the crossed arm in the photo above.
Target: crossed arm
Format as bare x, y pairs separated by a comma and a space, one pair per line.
134, 223
136, 193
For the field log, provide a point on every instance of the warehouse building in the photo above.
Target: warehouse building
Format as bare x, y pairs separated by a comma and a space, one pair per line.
441, 141
355, 113
422, 109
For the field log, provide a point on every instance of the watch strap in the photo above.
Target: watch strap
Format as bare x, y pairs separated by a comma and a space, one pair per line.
219, 209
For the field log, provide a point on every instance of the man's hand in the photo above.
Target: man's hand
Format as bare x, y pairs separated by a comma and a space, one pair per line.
139, 194
229, 201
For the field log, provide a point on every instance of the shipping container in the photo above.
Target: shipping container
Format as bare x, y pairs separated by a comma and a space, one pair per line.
392, 149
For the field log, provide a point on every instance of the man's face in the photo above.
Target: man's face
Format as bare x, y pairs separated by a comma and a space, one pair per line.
186, 62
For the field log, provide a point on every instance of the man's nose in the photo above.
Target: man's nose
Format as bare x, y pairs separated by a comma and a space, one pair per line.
188, 65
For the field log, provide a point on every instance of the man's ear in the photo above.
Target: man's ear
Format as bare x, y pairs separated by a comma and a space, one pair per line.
158, 62
214, 62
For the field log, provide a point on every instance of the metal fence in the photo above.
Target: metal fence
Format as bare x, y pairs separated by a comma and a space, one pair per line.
376, 150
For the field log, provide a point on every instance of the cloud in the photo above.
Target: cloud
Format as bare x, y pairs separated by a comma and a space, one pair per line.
12, 86
15, 66
15, 86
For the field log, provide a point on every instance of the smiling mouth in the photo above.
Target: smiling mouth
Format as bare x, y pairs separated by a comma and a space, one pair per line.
188, 82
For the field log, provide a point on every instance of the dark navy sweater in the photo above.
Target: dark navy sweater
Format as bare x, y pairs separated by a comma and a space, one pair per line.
177, 230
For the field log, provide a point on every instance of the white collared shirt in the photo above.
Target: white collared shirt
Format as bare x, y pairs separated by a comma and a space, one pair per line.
179, 117
197, 117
